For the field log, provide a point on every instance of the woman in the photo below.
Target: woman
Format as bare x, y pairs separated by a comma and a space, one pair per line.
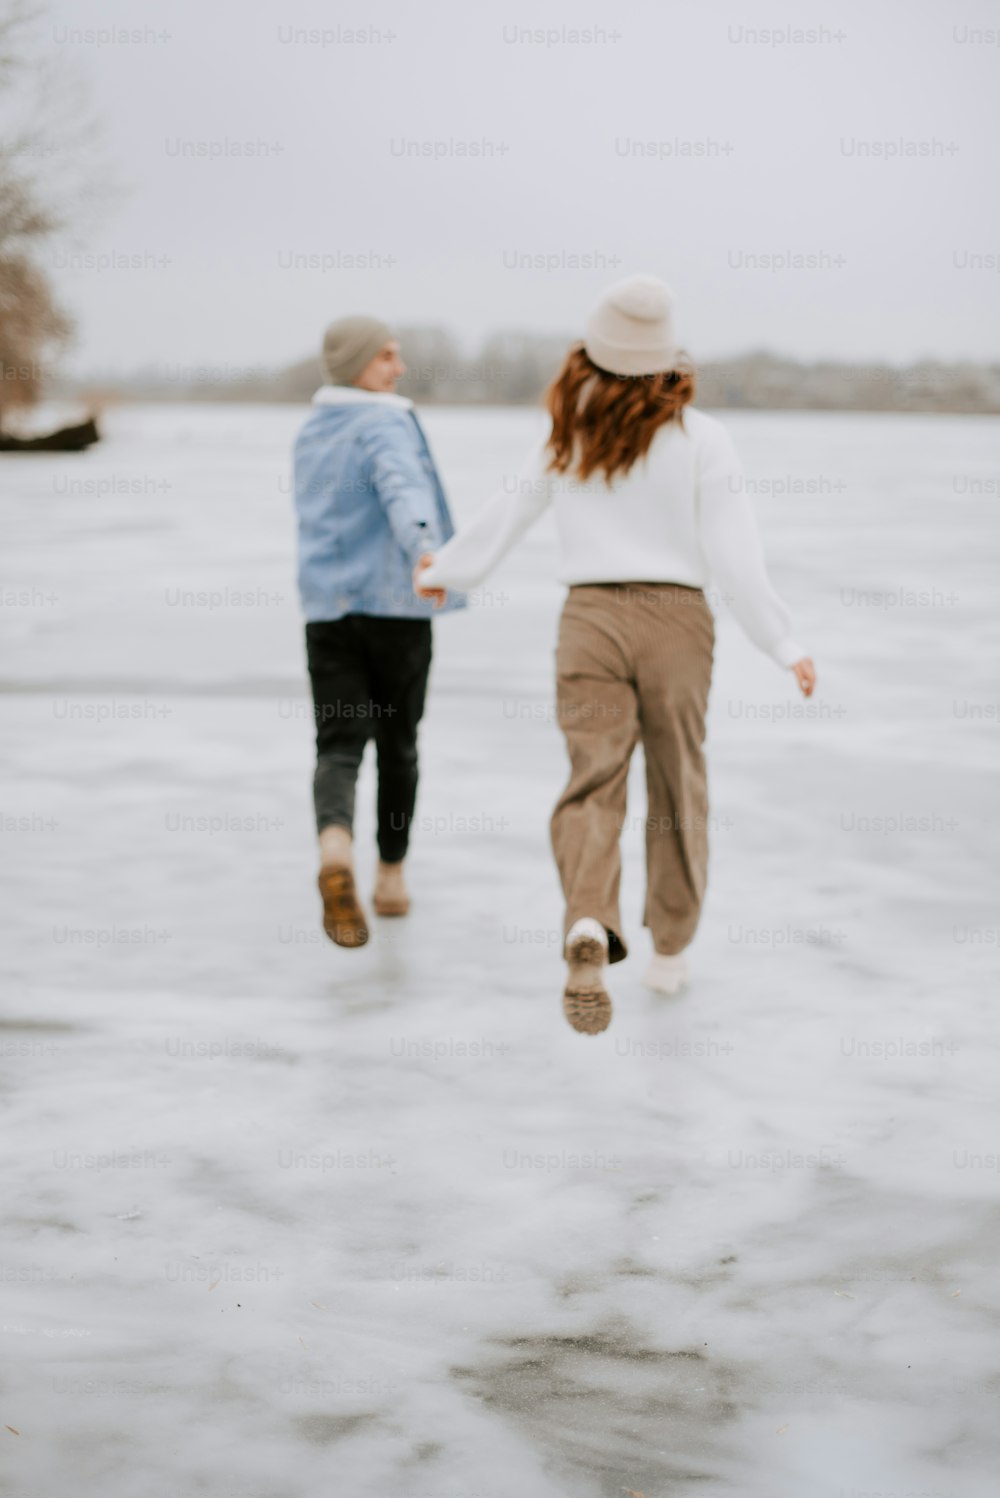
649, 502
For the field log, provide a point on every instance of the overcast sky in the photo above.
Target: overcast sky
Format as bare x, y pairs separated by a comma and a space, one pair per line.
678, 139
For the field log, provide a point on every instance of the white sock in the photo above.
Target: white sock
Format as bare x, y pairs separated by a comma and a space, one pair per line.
666, 973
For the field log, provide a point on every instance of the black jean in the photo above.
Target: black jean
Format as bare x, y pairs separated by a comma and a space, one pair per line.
369, 680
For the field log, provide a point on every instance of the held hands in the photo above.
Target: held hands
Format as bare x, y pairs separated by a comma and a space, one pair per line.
436, 596
805, 675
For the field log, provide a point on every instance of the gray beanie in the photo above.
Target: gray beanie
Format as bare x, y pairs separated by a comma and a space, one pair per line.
631, 330
349, 344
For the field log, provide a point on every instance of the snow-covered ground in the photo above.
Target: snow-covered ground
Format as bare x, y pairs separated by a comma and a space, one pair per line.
284, 1221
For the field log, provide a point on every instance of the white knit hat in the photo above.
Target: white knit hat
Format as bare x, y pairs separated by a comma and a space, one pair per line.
631, 330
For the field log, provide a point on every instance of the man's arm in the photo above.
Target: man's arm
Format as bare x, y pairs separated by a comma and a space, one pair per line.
404, 488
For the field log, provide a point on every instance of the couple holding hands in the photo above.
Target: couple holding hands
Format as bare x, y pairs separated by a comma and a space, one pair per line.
649, 504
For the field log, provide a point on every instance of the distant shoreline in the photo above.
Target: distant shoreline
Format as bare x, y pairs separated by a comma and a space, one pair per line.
513, 371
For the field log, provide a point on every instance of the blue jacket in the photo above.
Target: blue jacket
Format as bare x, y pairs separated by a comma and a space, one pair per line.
369, 504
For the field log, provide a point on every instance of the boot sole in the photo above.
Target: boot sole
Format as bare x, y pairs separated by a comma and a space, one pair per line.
587, 949
343, 918
587, 1010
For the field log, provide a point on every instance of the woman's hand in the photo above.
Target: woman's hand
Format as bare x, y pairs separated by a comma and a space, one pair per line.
436, 596
805, 675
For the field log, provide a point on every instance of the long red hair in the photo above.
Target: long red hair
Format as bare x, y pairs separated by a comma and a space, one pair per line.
604, 422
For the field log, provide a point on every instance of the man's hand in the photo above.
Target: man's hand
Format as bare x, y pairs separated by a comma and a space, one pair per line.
436, 596
805, 675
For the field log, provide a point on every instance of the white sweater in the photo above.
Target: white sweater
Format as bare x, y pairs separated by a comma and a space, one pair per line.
680, 515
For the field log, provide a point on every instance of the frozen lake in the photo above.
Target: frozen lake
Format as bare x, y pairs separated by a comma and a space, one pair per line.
285, 1221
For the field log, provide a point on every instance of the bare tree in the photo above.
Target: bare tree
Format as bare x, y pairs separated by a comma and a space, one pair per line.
45, 133
32, 325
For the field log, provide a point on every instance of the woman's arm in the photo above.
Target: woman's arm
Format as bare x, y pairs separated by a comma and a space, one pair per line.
732, 548
477, 548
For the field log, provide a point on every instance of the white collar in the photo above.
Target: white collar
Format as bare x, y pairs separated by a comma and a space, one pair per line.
347, 395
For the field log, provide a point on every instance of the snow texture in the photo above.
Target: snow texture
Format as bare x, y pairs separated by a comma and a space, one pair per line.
284, 1221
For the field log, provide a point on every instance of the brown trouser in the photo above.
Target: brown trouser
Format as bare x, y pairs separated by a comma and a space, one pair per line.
634, 661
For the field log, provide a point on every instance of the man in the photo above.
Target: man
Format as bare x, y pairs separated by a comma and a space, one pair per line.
370, 506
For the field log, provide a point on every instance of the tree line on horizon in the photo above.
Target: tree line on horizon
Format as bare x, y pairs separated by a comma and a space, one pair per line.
514, 368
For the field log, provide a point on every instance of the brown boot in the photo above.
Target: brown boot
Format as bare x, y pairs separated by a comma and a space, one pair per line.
344, 920
586, 1003
390, 897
